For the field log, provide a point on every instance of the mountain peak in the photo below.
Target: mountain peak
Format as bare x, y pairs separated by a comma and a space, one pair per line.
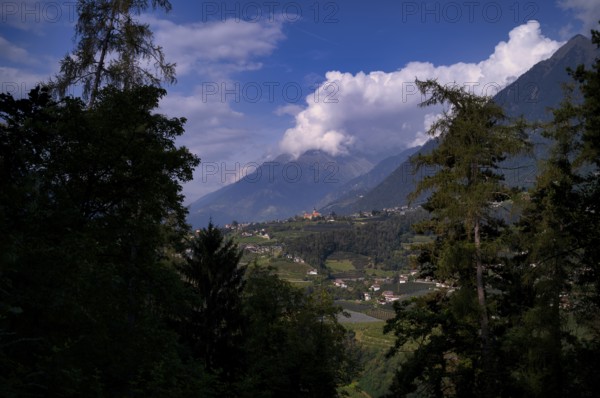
579, 38
578, 43
530, 96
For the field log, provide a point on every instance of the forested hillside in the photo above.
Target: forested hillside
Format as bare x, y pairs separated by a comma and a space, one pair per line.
379, 238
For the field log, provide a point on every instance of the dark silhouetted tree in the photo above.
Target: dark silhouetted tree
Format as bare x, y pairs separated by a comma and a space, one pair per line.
295, 346
213, 324
87, 285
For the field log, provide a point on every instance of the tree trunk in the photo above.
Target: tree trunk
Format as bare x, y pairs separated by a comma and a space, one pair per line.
103, 51
480, 285
487, 380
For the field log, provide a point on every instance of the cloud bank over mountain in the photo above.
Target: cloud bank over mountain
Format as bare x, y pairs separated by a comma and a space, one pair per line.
378, 111
586, 11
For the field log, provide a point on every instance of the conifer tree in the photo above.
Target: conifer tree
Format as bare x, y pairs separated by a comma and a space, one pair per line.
215, 278
550, 257
474, 137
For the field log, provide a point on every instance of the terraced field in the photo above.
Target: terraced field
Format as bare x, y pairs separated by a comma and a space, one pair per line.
290, 271
370, 334
337, 266
378, 370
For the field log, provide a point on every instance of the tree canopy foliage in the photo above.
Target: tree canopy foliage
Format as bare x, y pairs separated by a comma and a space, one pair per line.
104, 290
381, 240
85, 197
535, 333
113, 48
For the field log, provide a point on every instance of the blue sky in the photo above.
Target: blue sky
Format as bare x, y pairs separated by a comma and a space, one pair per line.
261, 78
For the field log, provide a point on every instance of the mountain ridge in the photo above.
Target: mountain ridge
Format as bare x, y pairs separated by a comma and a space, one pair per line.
530, 95
278, 189
286, 187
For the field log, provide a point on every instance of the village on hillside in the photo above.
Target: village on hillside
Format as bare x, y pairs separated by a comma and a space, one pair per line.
353, 279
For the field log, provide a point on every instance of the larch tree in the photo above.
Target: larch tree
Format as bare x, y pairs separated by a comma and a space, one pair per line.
113, 47
474, 136
473, 140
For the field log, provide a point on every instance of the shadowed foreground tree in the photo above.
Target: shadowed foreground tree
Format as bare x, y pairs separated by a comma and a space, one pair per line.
86, 285
295, 346
559, 333
212, 325
539, 342
588, 228
258, 334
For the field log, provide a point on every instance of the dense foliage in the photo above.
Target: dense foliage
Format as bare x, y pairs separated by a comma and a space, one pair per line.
380, 239
84, 204
521, 314
102, 291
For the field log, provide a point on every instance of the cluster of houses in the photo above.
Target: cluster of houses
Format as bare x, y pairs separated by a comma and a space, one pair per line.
260, 233
386, 297
401, 210
398, 210
258, 249
295, 259
311, 216
237, 226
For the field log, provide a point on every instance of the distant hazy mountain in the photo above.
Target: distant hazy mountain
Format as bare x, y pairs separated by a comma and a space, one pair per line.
530, 95
398, 184
361, 185
541, 86
279, 189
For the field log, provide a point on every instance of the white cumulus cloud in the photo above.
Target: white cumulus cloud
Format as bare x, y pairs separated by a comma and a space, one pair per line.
216, 48
225, 139
377, 112
587, 11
